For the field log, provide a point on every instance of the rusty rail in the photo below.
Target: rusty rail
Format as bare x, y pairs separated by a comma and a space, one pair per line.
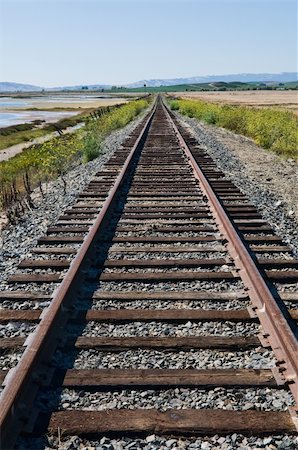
278, 332
19, 389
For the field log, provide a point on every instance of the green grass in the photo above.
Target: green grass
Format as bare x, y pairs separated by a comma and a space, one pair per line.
44, 162
270, 128
16, 128
21, 136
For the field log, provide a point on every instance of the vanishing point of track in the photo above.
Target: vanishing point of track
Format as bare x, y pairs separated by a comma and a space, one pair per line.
160, 224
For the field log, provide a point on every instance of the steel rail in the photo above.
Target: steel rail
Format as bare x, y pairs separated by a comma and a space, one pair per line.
21, 381
278, 332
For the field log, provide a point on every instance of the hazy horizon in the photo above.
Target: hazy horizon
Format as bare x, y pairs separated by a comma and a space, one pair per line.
53, 43
133, 81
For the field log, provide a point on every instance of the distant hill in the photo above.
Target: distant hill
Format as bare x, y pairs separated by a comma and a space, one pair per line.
242, 77
81, 87
18, 87
268, 78
213, 86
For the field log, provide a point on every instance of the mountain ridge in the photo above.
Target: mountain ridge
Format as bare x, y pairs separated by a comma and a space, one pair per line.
7, 86
242, 77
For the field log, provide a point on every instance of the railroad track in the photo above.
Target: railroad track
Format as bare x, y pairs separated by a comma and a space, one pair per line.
162, 276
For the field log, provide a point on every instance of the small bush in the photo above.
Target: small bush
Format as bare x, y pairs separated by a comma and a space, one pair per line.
210, 117
91, 149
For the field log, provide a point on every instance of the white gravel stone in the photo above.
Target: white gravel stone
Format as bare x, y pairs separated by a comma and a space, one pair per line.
167, 255
167, 329
258, 399
216, 442
179, 304
211, 286
16, 329
9, 359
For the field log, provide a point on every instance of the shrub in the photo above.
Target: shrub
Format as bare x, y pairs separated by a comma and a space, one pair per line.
91, 148
210, 117
270, 128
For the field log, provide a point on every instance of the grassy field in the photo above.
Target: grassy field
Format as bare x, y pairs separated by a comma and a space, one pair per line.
279, 99
201, 87
41, 163
20, 133
270, 128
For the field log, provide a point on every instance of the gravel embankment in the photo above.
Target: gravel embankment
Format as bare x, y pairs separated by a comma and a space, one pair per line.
269, 181
16, 240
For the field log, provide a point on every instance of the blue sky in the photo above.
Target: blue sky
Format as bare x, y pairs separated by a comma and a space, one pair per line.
50, 43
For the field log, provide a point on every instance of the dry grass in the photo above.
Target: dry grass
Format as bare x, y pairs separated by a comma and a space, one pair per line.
281, 99
271, 128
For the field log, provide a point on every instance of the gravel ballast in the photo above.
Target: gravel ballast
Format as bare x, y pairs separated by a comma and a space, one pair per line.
177, 398
258, 358
167, 329
179, 304
156, 442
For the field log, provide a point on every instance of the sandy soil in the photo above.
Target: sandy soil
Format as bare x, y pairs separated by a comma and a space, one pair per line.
284, 99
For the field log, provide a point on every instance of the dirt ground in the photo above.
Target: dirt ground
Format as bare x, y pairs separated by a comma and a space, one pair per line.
283, 99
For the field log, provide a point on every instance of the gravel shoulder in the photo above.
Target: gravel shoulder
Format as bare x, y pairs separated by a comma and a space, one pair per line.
268, 180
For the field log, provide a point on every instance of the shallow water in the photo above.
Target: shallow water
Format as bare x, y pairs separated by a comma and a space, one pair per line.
8, 118
33, 102
14, 111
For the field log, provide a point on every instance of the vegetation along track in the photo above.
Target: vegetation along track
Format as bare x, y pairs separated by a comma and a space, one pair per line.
162, 276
